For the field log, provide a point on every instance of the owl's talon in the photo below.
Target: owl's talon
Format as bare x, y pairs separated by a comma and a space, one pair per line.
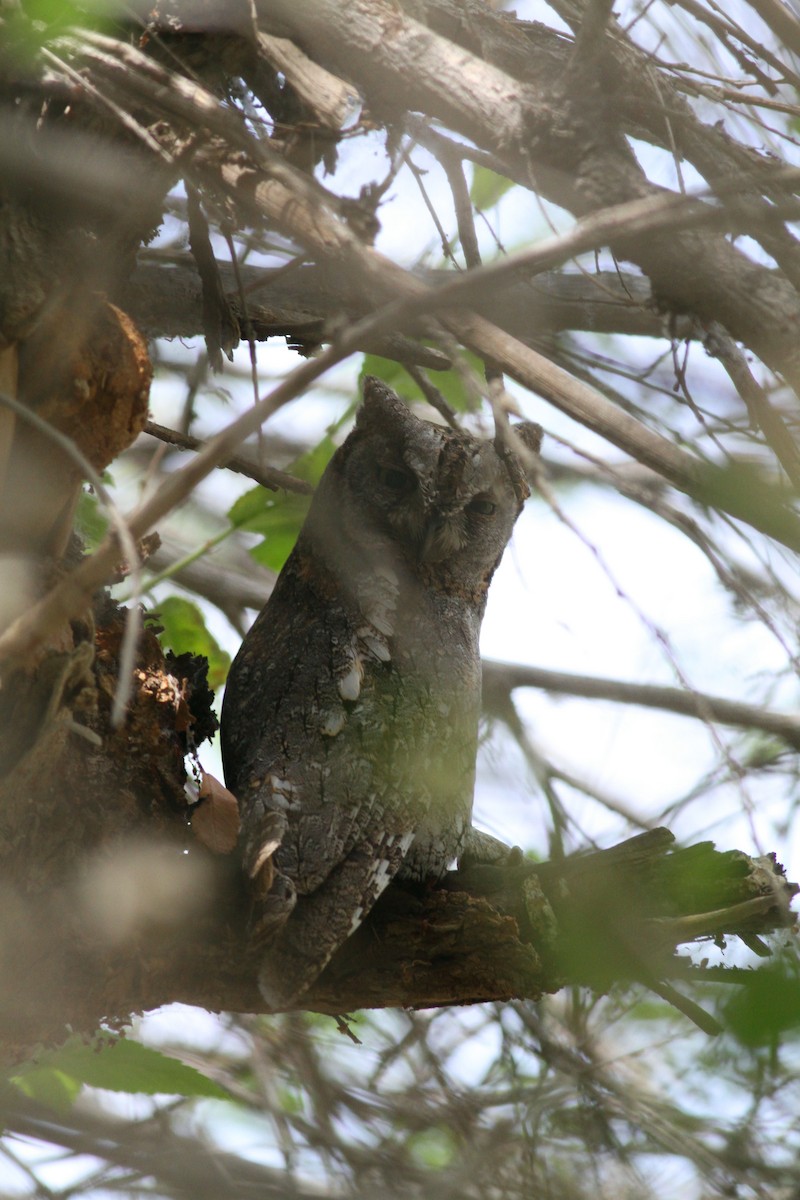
271, 911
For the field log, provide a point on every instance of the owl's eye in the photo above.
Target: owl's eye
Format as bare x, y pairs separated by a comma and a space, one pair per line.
482, 506
393, 479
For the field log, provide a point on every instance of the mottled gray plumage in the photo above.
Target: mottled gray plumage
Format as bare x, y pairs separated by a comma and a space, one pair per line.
350, 720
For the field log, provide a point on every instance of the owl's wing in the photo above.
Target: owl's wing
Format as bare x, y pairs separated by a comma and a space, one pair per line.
329, 807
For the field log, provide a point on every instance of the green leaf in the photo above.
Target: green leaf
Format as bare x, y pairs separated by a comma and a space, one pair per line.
279, 541
184, 631
91, 521
449, 383
488, 187
766, 1007
653, 1010
26, 29
290, 1100
278, 516
309, 466
762, 751
392, 373
49, 1086
116, 1064
61, 13
744, 489
249, 507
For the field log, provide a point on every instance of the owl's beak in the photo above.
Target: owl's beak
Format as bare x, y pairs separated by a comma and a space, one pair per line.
439, 540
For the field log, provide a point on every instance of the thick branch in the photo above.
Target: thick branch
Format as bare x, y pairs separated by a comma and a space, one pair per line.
493, 933
393, 57
165, 300
105, 912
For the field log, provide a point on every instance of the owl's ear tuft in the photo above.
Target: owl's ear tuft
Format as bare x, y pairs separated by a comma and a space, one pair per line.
384, 412
380, 402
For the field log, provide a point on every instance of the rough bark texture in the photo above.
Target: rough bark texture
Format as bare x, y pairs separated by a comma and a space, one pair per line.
111, 905
166, 300
94, 822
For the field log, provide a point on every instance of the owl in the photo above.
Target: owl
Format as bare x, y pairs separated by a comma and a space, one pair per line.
350, 719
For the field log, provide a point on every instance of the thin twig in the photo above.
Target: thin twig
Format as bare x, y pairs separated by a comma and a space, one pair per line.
720, 345
268, 477
303, 211
70, 595
127, 542
432, 395
686, 702
453, 165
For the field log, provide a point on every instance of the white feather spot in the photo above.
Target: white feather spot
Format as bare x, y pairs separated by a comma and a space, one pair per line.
380, 875
333, 722
281, 793
349, 685
267, 850
356, 919
405, 841
284, 786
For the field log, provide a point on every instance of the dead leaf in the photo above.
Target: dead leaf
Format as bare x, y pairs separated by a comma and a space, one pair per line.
215, 817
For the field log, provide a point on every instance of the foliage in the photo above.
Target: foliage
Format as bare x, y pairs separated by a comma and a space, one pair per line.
452, 385
117, 1064
278, 518
183, 629
487, 188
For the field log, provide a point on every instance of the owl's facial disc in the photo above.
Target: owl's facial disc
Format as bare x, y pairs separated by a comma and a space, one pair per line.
447, 532
435, 504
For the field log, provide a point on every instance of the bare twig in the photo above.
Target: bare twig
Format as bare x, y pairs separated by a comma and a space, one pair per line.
276, 190
721, 346
687, 703
69, 597
125, 535
268, 477
301, 208
433, 395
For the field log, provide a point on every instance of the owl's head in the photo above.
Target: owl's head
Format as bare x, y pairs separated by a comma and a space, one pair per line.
439, 502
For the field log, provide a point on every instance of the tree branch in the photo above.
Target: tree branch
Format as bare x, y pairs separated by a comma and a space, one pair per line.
268, 477
151, 1149
491, 933
164, 298
502, 678
112, 906
394, 56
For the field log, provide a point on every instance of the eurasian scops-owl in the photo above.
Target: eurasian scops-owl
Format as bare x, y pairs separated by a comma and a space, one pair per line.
349, 727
